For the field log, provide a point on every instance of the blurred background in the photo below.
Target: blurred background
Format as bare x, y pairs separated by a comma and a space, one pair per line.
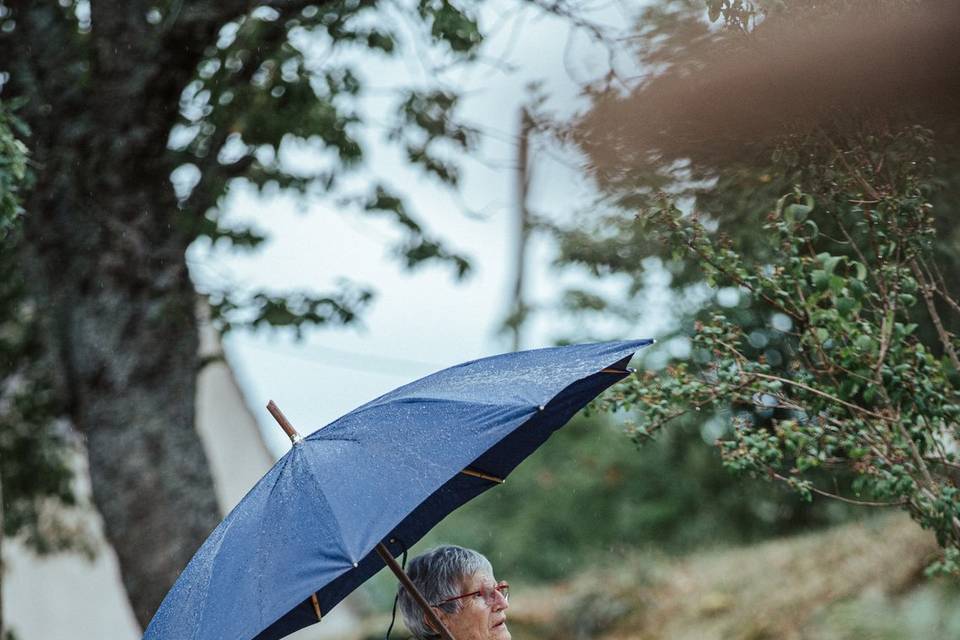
208, 205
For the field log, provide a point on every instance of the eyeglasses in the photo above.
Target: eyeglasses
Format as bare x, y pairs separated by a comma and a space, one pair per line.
489, 594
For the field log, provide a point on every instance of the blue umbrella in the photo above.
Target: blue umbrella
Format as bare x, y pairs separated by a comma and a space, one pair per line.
350, 496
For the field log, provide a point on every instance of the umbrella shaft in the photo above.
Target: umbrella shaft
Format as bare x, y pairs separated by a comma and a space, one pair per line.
413, 591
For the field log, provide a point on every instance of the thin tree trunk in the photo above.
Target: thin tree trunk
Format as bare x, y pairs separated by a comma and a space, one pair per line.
519, 311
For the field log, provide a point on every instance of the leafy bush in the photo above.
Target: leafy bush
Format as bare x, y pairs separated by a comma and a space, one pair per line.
848, 272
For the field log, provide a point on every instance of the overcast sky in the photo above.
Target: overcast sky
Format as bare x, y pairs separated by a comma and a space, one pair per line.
424, 320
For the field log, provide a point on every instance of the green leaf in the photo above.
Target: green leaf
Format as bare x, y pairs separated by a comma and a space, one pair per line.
829, 262
451, 24
857, 288
821, 279
846, 306
797, 212
836, 284
861, 270
381, 40
857, 452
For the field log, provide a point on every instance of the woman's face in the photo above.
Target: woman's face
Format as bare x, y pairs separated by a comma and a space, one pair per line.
477, 618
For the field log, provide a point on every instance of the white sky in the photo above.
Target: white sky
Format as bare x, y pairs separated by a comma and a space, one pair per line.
423, 320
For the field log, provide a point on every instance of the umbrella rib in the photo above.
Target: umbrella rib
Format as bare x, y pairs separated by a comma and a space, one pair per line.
261, 557
383, 401
297, 439
338, 528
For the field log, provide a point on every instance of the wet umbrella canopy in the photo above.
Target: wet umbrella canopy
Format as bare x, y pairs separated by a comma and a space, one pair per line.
305, 536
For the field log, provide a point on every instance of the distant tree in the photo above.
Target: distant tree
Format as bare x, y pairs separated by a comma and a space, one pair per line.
143, 115
803, 212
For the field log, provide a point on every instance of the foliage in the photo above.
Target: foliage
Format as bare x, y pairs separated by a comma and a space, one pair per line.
34, 450
37, 474
13, 169
291, 310
263, 93
859, 389
828, 347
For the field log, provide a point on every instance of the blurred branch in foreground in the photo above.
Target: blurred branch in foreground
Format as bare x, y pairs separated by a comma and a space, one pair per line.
799, 66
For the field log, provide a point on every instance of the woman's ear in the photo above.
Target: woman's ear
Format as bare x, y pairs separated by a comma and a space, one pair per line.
441, 614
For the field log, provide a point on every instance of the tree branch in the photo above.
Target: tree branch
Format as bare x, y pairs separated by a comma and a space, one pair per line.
195, 24
822, 394
834, 496
942, 289
927, 291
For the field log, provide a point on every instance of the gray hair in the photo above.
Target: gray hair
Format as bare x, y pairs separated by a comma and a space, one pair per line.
439, 574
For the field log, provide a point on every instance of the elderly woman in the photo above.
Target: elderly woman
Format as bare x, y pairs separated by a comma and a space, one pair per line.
460, 586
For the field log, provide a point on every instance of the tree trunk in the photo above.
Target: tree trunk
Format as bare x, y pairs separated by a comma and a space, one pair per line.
1, 556
108, 272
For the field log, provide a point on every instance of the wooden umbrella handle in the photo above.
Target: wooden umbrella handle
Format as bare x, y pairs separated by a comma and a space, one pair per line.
284, 423
413, 591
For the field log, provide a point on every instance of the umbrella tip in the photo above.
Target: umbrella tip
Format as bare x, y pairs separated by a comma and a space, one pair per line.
281, 419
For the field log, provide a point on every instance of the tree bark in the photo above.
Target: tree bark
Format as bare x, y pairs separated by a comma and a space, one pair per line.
108, 271
1, 556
